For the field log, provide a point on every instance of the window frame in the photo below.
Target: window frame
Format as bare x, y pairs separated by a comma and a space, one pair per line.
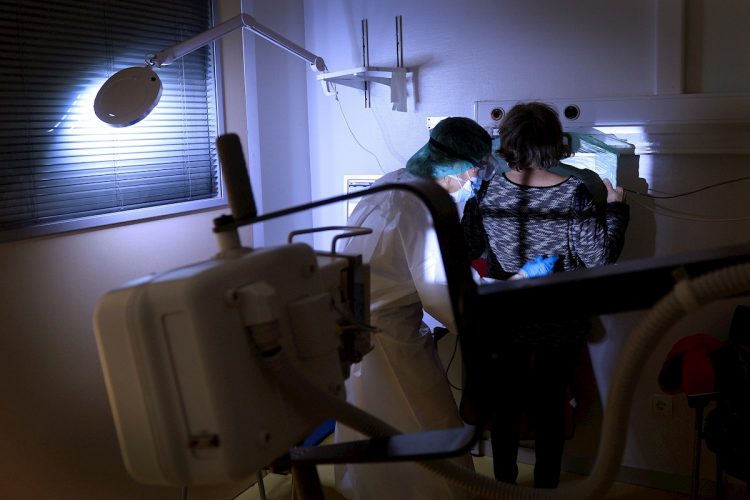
166, 210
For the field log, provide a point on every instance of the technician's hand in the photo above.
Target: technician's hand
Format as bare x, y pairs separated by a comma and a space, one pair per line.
614, 194
538, 266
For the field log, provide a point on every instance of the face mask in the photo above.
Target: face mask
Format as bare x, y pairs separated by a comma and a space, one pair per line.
475, 183
463, 194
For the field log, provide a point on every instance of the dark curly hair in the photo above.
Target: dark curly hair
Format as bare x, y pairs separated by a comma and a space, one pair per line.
531, 135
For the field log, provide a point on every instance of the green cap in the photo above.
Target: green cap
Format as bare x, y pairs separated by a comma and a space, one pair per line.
456, 144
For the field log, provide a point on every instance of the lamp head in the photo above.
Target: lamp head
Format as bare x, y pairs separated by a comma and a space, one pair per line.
318, 64
128, 96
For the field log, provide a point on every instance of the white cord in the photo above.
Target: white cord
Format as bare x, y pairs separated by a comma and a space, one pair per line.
725, 282
684, 295
341, 109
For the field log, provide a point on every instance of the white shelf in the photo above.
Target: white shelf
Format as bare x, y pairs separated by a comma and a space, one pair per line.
356, 77
394, 78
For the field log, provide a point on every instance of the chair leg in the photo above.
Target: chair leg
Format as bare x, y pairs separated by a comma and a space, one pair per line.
695, 483
719, 478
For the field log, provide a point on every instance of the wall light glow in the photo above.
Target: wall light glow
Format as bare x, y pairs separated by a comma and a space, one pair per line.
620, 130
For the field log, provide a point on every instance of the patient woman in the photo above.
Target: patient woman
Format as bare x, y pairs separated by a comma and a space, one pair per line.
527, 212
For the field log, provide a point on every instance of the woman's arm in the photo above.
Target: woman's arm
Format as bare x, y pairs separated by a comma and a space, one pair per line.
597, 238
618, 217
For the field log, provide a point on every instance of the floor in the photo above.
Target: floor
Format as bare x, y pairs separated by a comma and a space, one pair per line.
279, 487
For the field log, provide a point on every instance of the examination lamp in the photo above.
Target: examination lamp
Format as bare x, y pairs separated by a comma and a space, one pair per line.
129, 95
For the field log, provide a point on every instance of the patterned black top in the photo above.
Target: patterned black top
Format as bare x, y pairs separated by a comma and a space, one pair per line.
513, 224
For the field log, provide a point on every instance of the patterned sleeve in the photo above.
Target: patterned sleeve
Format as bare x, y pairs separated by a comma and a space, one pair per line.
618, 217
598, 237
474, 236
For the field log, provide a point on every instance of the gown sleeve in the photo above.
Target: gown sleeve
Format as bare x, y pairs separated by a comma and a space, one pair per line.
420, 244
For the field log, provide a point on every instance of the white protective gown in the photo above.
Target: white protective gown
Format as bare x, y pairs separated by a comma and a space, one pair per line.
402, 380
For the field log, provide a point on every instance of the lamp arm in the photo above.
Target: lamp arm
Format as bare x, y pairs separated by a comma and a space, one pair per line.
168, 56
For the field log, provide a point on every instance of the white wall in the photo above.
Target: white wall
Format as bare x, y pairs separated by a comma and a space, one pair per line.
277, 120
545, 50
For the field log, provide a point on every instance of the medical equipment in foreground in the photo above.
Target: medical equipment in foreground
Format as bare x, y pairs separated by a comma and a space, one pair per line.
220, 368
192, 402
181, 351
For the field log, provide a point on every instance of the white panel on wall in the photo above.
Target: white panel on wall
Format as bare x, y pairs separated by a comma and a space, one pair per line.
354, 183
677, 124
638, 110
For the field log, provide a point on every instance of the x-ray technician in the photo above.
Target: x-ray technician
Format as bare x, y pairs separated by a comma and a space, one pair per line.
402, 381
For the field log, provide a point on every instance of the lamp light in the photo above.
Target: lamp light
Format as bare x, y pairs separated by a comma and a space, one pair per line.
129, 95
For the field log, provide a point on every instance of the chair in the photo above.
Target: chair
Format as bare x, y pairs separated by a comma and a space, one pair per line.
708, 371
689, 368
699, 402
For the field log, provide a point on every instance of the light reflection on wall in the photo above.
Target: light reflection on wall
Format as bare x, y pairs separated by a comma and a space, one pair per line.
635, 135
646, 169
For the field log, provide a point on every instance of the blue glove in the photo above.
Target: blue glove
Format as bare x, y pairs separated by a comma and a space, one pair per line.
538, 266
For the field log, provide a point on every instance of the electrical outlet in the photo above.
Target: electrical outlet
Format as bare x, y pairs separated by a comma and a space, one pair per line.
434, 120
661, 405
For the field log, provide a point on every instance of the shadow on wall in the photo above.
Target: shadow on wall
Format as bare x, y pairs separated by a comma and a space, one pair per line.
609, 333
640, 240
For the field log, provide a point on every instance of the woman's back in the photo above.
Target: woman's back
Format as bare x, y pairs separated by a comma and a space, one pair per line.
522, 222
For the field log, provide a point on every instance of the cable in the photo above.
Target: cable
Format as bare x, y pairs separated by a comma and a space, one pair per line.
689, 217
261, 486
673, 215
450, 362
341, 109
666, 197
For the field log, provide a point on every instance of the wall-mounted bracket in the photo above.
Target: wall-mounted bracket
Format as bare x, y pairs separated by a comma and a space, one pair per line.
360, 78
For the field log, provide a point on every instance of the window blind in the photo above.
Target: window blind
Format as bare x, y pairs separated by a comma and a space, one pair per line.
58, 162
